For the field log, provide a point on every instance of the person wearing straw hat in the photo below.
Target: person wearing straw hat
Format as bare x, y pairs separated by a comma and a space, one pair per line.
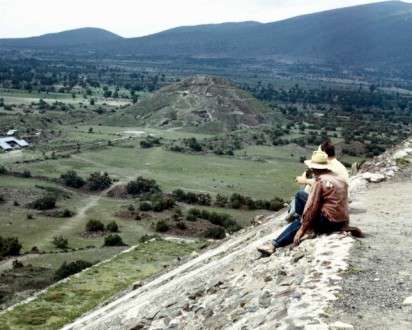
298, 202
325, 211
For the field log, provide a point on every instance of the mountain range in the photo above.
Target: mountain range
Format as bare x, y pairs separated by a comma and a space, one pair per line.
373, 34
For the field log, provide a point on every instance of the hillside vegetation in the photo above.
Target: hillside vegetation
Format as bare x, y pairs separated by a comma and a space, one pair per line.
207, 102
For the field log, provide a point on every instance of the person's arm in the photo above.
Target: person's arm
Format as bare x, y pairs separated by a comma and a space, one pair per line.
303, 180
312, 209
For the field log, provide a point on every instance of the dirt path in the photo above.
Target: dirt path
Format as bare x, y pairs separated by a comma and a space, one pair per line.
70, 224
380, 273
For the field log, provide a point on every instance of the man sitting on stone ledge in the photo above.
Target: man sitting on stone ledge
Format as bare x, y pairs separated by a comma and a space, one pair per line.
326, 210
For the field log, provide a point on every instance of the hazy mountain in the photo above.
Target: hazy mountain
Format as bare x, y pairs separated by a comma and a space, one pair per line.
83, 36
374, 32
379, 33
202, 101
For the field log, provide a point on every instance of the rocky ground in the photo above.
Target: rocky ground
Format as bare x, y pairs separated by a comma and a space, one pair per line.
379, 279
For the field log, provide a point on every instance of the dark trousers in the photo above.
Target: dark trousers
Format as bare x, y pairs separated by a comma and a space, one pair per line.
321, 225
301, 198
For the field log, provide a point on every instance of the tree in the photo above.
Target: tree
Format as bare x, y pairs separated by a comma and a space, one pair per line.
142, 186
113, 227
98, 181
67, 269
60, 242
113, 240
47, 202
9, 246
71, 179
94, 226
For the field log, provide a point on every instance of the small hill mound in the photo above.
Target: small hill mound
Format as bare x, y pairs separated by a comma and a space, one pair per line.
205, 102
77, 37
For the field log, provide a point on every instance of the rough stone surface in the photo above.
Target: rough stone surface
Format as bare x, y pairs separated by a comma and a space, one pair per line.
340, 326
379, 277
407, 301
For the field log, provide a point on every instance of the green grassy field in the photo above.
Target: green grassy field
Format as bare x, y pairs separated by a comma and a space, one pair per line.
68, 300
266, 178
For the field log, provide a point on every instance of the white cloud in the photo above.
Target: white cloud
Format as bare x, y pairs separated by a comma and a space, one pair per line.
136, 17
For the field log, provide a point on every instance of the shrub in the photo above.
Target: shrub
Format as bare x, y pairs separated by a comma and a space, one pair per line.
66, 213
221, 200
145, 206
98, 181
162, 226
47, 202
9, 246
26, 174
163, 203
71, 179
60, 242
67, 269
142, 186
3, 170
276, 204
215, 233
94, 226
181, 225
112, 227
113, 240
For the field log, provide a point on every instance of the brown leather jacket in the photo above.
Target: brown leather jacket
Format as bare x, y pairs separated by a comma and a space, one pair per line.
329, 197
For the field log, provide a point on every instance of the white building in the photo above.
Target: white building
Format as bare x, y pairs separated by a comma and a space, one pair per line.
11, 143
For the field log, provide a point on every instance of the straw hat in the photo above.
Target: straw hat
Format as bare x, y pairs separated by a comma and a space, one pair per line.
318, 161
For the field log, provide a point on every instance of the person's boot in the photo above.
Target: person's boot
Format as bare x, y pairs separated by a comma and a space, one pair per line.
267, 249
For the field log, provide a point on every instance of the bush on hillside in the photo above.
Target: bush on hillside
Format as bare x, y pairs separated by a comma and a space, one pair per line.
142, 186
113, 240
145, 206
47, 202
26, 174
9, 246
163, 203
98, 181
60, 242
215, 233
68, 269
113, 227
94, 226
72, 179
3, 170
162, 226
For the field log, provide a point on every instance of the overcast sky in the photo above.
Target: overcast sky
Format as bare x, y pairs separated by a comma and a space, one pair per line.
130, 18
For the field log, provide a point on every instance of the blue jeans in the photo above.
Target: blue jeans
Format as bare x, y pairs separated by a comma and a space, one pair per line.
297, 205
321, 225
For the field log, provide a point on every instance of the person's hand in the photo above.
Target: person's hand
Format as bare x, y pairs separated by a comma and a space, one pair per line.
298, 237
301, 180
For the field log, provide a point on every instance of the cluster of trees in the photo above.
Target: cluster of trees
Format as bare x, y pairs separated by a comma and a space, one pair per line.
43, 203
66, 76
219, 219
150, 142
95, 182
68, 269
157, 203
142, 186
235, 201
9, 246
192, 197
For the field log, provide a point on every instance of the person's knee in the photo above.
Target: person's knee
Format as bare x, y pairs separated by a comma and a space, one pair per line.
301, 195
